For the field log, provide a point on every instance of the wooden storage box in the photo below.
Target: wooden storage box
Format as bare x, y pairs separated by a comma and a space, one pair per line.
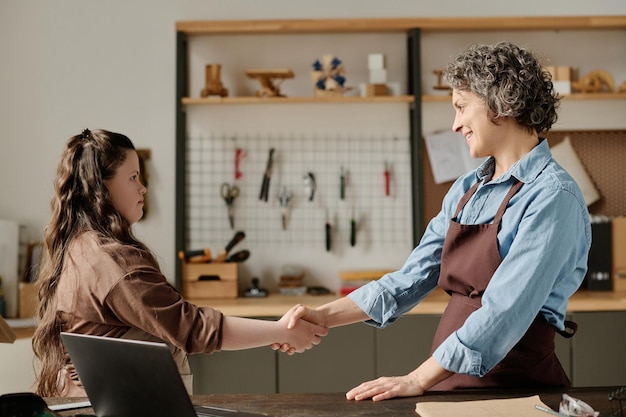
209, 280
27, 303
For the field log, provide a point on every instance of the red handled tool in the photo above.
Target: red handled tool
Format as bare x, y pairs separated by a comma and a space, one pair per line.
387, 179
239, 155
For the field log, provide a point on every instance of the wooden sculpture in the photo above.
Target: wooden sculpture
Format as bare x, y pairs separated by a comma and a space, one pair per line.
270, 80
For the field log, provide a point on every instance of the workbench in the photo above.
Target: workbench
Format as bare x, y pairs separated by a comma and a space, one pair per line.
335, 404
352, 354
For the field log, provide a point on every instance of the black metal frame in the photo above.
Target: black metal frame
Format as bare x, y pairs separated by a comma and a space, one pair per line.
181, 122
414, 89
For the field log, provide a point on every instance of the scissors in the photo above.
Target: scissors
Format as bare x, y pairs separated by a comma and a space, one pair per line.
229, 194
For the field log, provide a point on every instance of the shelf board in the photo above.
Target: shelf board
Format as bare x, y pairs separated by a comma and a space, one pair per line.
191, 101
573, 96
295, 100
208, 27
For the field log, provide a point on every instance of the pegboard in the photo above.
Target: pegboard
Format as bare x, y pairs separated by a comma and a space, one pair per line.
602, 152
382, 221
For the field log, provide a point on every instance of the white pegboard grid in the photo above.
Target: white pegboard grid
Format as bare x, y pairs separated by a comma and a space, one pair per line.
382, 221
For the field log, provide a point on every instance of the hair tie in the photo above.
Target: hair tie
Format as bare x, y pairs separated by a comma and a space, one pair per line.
85, 134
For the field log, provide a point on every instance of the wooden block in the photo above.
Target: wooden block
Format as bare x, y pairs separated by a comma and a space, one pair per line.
210, 289
564, 73
375, 61
27, 300
376, 90
619, 253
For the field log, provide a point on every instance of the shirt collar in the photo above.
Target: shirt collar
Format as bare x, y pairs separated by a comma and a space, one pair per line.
525, 170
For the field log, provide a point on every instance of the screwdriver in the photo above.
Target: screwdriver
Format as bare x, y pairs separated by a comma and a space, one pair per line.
352, 230
328, 233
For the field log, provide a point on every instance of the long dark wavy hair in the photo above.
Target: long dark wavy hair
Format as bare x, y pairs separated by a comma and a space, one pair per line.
81, 203
511, 82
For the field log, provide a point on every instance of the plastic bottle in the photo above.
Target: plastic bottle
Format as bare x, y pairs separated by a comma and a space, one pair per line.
3, 304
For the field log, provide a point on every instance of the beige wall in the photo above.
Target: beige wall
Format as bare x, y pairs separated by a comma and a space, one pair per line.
71, 64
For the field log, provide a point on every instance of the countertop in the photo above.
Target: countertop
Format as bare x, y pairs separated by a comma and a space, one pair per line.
275, 305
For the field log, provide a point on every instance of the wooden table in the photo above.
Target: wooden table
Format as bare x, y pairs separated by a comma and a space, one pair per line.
321, 405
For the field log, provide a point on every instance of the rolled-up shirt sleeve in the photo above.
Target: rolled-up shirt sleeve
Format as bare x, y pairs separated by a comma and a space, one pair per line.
145, 300
396, 293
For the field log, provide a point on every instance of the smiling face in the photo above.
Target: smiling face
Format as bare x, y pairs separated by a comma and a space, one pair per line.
472, 120
127, 191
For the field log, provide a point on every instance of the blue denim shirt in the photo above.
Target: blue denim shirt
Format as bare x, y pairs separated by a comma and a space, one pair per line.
544, 241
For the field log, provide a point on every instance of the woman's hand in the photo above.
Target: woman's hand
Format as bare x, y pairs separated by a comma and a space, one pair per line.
415, 383
385, 388
300, 334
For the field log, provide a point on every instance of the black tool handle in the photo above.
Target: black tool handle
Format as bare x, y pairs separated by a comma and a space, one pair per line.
240, 256
236, 239
265, 185
193, 253
328, 241
352, 232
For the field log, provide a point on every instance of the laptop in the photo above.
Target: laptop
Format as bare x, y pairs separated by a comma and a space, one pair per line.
124, 377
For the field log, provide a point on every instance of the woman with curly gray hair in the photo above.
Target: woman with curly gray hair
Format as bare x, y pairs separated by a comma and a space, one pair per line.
509, 245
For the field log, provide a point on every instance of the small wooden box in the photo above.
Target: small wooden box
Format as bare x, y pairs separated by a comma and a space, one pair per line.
374, 90
209, 280
27, 303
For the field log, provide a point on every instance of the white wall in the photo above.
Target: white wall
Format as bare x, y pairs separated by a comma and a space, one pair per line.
70, 64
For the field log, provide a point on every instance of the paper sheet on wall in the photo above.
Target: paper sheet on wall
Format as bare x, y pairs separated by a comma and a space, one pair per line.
449, 156
567, 157
508, 407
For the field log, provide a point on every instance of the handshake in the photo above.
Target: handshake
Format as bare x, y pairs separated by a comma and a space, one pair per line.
302, 328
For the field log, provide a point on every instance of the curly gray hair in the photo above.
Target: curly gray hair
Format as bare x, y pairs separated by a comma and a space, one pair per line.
510, 81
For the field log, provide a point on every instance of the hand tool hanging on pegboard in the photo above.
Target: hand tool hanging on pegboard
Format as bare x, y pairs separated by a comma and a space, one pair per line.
284, 198
267, 175
309, 185
229, 193
387, 179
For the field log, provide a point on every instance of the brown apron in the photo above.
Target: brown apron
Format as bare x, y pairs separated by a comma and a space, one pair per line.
469, 259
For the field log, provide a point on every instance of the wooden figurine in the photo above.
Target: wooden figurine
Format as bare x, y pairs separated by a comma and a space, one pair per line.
595, 82
439, 85
266, 77
213, 84
328, 76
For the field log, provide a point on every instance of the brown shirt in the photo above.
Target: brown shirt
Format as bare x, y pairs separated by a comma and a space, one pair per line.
97, 296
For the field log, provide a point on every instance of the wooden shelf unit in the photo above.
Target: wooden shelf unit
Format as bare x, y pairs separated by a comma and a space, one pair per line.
412, 27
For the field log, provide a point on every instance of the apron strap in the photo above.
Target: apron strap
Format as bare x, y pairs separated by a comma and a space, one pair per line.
570, 329
465, 199
514, 188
